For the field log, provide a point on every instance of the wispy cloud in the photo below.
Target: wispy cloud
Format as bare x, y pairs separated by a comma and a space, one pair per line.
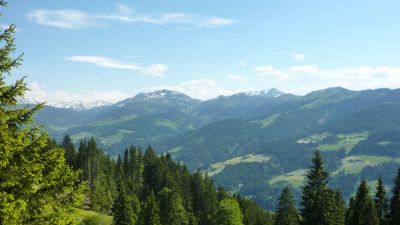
269, 72
156, 70
38, 93
299, 56
75, 19
237, 78
312, 77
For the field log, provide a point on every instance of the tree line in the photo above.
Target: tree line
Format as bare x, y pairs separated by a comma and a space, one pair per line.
143, 188
140, 187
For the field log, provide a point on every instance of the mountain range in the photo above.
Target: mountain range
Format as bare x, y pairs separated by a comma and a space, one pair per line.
252, 142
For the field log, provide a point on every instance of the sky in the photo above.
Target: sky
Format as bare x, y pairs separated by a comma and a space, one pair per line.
108, 50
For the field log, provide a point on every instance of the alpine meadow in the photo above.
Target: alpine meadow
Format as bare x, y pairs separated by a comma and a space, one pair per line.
199, 113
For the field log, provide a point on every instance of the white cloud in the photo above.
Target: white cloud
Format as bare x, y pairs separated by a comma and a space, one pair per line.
75, 19
37, 93
305, 78
299, 56
269, 72
156, 70
201, 89
237, 78
68, 19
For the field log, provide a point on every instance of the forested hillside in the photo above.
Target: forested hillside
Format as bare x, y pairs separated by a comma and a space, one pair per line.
143, 188
254, 143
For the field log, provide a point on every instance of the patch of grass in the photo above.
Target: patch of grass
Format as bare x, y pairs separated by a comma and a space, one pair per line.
167, 123
250, 158
268, 121
58, 128
109, 121
355, 164
82, 135
294, 178
175, 150
384, 143
346, 141
315, 138
86, 217
116, 138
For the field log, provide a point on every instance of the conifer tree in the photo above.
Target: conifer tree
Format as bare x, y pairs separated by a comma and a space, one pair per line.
122, 209
313, 201
394, 214
71, 156
363, 210
150, 212
381, 202
172, 211
228, 213
335, 211
286, 213
36, 185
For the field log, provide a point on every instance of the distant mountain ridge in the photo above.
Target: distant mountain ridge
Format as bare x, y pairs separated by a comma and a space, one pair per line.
252, 142
143, 96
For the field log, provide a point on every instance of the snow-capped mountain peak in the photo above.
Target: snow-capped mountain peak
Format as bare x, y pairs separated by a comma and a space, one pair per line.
74, 105
274, 93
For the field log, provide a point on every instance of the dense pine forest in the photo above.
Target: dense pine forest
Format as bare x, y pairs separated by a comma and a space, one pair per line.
142, 188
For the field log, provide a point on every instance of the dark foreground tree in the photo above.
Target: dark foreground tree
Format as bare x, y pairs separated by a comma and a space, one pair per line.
362, 211
150, 213
381, 202
36, 185
286, 213
394, 214
122, 209
313, 201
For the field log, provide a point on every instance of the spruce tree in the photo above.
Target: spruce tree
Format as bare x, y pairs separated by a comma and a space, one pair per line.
122, 209
150, 213
71, 156
313, 201
228, 213
394, 214
36, 185
335, 209
381, 202
363, 210
172, 211
286, 213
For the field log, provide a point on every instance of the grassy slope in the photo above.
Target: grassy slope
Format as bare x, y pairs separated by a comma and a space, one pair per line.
89, 217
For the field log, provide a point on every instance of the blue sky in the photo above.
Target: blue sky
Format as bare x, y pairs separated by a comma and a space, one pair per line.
108, 50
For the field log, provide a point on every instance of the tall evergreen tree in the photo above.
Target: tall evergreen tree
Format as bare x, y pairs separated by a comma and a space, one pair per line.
363, 210
228, 213
381, 202
313, 201
335, 211
286, 213
122, 209
394, 214
70, 153
36, 185
150, 213
172, 211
